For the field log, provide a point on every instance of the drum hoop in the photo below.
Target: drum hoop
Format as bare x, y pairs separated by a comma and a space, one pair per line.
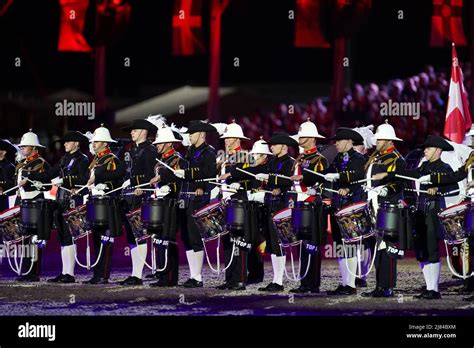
278, 212
204, 209
15, 207
348, 206
451, 207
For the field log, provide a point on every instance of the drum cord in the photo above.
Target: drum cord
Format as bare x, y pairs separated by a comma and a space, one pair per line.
218, 270
448, 260
17, 270
153, 258
359, 260
296, 278
88, 266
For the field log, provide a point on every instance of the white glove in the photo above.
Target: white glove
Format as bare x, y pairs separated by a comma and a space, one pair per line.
126, 183
101, 187
383, 192
37, 184
424, 179
165, 189
179, 173
262, 177
311, 191
234, 186
332, 177
57, 181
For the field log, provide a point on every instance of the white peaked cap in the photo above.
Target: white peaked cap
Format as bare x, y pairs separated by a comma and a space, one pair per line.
386, 132
309, 130
30, 139
233, 130
102, 134
165, 135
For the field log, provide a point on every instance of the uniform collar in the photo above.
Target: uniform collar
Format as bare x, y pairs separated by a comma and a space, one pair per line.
389, 150
32, 157
103, 152
310, 151
169, 153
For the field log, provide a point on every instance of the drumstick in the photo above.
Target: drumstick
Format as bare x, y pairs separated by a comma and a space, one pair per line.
313, 172
208, 179
141, 185
246, 172
65, 189
34, 182
280, 176
167, 166
359, 181
409, 178
188, 193
335, 191
266, 191
413, 190
82, 187
11, 189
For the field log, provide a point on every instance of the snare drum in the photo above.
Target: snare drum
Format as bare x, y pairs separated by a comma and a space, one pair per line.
456, 221
153, 213
76, 221
10, 225
135, 221
282, 221
210, 220
97, 208
354, 222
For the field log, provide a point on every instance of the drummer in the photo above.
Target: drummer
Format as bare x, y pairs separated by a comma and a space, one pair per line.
175, 216
280, 164
201, 164
387, 191
310, 159
236, 255
28, 191
69, 172
108, 170
258, 164
346, 170
143, 157
427, 224
7, 172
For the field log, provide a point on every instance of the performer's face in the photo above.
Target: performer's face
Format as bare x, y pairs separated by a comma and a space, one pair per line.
71, 146
27, 150
164, 147
194, 137
343, 145
279, 149
382, 145
138, 135
98, 146
432, 153
3, 153
259, 158
231, 143
307, 143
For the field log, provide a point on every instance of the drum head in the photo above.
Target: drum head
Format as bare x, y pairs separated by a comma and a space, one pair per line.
454, 210
207, 208
282, 214
351, 209
9, 212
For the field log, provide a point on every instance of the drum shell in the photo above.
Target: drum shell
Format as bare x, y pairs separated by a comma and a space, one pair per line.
469, 220
302, 217
98, 211
388, 220
235, 215
36, 217
30, 213
153, 214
